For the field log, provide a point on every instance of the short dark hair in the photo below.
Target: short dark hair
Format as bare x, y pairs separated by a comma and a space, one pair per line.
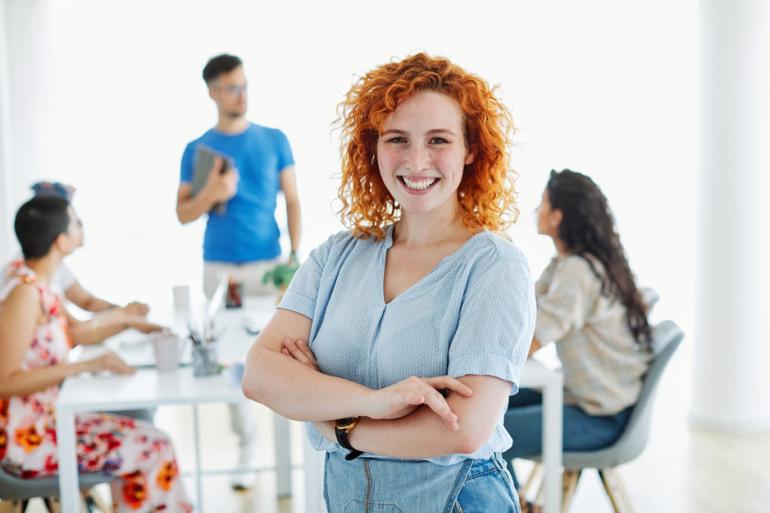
220, 64
38, 222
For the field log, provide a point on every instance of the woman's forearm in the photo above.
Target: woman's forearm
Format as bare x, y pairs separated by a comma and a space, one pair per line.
422, 434
85, 300
99, 328
98, 305
417, 436
298, 392
25, 382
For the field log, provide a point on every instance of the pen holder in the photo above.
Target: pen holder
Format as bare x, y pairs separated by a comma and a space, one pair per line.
204, 360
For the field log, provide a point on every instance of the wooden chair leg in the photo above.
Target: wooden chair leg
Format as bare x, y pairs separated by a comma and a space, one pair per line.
534, 474
537, 503
613, 484
52, 504
569, 484
10, 506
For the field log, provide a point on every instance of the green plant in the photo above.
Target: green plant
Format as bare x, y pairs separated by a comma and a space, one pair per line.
280, 275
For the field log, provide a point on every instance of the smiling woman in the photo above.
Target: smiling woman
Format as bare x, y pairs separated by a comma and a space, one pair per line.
467, 123
422, 150
400, 340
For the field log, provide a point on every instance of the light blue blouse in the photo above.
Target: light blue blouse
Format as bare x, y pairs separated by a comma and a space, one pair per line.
474, 313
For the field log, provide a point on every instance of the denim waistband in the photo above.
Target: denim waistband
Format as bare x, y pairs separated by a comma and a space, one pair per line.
370, 485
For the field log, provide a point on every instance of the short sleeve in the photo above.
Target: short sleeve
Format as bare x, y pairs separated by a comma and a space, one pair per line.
285, 157
497, 319
65, 277
564, 305
303, 290
186, 169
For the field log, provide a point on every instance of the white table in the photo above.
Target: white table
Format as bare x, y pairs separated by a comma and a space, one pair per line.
149, 388
534, 375
550, 381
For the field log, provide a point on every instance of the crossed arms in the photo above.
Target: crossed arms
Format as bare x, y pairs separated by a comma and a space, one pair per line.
409, 419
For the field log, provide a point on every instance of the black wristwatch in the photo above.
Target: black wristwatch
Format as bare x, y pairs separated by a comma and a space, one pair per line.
342, 429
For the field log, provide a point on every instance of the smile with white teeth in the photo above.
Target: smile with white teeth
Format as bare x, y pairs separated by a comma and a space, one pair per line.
418, 185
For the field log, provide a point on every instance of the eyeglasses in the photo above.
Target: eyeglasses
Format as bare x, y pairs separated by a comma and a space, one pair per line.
234, 90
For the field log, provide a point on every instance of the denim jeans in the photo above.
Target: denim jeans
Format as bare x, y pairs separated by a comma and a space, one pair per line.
581, 431
488, 488
370, 485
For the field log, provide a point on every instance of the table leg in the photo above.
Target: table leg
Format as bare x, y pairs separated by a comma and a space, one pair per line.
282, 455
66, 452
552, 449
198, 479
314, 474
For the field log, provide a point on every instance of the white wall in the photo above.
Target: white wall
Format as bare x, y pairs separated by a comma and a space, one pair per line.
6, 198
606, 88
25, 106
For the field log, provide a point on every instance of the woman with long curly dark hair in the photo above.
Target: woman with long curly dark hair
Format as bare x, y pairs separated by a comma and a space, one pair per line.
589, 305
400, 339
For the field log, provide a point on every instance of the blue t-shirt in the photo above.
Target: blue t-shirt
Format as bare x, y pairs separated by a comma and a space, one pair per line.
474, 313
247, 231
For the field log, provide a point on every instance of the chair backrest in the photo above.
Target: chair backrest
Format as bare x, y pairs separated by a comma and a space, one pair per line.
666, 337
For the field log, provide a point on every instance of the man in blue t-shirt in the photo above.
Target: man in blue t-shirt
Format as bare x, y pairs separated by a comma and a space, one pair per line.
241, 237
255, 163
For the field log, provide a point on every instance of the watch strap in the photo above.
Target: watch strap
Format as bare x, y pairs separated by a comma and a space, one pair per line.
342, 434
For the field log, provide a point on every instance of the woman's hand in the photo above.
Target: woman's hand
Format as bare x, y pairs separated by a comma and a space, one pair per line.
402, 398
136, 308
300, 351
110, 362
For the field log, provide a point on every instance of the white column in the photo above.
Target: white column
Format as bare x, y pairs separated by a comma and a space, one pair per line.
731, 386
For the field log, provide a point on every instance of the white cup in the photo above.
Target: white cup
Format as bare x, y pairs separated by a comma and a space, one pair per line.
166, 348
182, 297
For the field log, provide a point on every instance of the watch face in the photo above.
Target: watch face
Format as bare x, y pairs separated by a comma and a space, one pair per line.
343, 423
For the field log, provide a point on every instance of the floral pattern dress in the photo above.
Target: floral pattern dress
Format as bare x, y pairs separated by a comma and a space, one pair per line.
140, 456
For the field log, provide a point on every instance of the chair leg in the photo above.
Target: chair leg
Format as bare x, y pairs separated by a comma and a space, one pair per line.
93, 498
10, 506
537, 469
613, 484
569, 485
537, 503
52, 504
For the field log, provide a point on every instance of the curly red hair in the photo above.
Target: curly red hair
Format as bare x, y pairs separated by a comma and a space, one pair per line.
486, 192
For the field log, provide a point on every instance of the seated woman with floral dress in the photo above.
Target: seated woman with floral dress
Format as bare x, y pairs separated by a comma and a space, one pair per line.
33, 347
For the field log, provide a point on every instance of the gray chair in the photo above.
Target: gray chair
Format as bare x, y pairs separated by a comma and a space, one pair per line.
666, 337
17, 492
